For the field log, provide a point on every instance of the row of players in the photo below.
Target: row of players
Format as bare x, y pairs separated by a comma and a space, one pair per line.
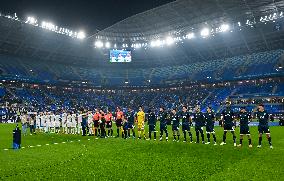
100, 123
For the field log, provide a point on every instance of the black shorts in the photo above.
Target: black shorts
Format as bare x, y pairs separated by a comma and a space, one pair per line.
118, 123
125, 126
263, 129
210, 129
185, 127
163, 127
130, 126
108, 124
229, 127
96, 123
199, 129
152, 128
175, 127
244, 130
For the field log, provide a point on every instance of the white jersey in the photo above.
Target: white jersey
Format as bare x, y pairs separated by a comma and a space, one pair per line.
43, 120
90, 118
47, 121
63, 119
38, 120
57, 121
79, 120
24, 119
74, 122
69, 120
52, 120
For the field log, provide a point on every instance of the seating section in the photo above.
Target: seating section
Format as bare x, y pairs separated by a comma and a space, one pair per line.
241, 67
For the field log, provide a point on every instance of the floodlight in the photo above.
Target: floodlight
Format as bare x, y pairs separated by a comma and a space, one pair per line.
158, 43
224, 27
205, 32
31, 20
99, 44
153, 43
190, 35
107, 44
169, 40
81, 35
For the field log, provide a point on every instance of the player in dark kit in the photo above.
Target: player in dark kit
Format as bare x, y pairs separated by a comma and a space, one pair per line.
186, 123
209, 121
263, 118
130, 122
175, 124
228, 123
102, 124
152, 124
119, 120
198, 118
108, 118
163, 124
124, 128
96, 119
245, 118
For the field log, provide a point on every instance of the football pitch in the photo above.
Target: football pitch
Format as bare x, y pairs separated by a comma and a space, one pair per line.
73, 157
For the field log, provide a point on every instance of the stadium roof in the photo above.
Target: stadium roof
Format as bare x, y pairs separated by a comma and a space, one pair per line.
173, 18
184, 15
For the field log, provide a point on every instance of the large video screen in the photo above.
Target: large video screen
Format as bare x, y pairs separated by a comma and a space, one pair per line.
120, 56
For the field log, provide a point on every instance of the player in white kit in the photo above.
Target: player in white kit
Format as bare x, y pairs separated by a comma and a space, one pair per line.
64, 122
74, 123
79, 122
90, 123
69, 123
57, 123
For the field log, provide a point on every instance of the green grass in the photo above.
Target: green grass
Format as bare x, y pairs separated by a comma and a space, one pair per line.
118, 159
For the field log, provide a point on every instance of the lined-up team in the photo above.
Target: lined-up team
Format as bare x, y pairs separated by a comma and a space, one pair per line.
100, 124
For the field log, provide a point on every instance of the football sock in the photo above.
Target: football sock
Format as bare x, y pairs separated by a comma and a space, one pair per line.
224, 137
117, 130
214, 137
241, 141
208, 137
269, 140
133, 133
249, 141
155, 134
96, 132
259, 140
190, 135
184, 135
108, 132
175, 137
197, 137
178, 136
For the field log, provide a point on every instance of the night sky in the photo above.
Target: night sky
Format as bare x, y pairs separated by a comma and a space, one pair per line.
89, 15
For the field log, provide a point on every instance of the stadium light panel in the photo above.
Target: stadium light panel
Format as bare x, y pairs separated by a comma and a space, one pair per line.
190, 35
99, 44
107, 44
158, 43
205, 32
81, 35
153, 43
169, 40
224, 27
31, 20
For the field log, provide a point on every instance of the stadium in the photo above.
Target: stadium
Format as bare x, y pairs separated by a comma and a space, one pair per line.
172, 90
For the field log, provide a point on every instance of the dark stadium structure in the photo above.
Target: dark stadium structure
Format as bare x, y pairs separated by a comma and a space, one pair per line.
245, 65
